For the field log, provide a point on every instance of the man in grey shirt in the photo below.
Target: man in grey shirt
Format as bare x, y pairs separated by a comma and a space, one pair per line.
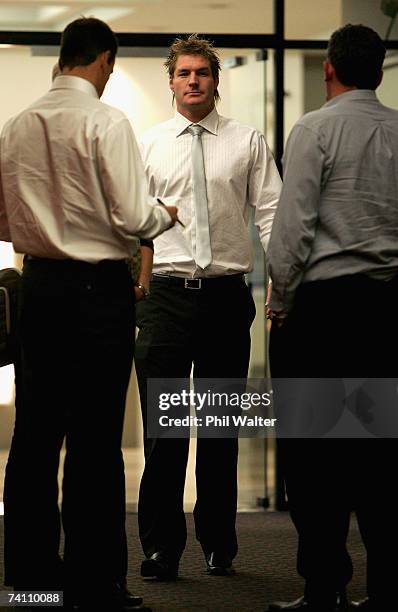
333, 260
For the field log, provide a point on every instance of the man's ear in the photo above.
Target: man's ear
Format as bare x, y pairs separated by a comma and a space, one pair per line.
104, 58
171, 84
101, 59
109, 58
328, 71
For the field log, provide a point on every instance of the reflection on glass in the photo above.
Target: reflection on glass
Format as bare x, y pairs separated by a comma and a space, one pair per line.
312, 19
380, 15
317, 19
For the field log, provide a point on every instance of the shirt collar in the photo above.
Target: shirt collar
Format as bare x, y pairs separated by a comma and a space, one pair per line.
353, 94
210, 122
76, 83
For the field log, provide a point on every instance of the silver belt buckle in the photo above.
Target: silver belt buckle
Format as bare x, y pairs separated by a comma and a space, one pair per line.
192, 283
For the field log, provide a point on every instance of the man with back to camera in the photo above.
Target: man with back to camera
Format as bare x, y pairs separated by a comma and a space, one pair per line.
73, 197
333, 260
199, 310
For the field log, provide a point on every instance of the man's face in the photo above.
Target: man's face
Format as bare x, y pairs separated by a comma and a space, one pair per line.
193, 84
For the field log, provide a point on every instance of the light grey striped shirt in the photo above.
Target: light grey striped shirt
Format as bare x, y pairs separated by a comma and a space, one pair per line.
338, 212
240, 173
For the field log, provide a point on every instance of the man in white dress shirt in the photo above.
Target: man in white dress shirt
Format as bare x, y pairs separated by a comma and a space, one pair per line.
199, 310
73, 198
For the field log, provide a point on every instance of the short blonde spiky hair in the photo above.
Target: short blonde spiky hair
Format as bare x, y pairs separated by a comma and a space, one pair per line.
194, 45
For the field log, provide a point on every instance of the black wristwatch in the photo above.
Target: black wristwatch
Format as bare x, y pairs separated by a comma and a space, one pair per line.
144, 290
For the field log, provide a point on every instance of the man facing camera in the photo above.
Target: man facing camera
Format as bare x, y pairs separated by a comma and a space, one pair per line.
73, 198
199, 310
333, 260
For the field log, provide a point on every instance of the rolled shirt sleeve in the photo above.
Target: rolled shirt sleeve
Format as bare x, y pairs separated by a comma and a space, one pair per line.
132, 210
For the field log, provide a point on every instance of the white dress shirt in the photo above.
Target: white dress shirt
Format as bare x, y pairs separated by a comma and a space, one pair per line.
338, 211
72, 180
240, 173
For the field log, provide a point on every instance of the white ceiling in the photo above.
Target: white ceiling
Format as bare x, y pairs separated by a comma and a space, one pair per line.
304, 18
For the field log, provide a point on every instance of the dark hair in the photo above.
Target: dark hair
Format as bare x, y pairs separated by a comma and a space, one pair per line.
356, 52
194, 45
83, 40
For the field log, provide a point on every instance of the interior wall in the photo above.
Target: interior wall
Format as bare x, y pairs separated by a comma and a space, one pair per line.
139, 86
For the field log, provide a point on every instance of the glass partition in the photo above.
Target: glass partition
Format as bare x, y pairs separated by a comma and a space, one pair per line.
387, 91
305, 87
311, 19
139, 87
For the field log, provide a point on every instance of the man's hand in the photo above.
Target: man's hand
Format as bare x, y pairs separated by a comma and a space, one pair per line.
173, 211
139, 294
277, 317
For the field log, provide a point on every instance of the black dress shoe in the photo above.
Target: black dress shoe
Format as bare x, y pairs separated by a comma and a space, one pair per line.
127, 597
363, 604
336, 603
112, 599
219, 564
160, 566
108, 604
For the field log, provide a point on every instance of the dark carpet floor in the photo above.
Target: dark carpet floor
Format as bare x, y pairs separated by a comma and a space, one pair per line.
265, 569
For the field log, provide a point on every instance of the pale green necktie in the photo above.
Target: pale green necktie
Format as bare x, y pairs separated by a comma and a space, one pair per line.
203, 248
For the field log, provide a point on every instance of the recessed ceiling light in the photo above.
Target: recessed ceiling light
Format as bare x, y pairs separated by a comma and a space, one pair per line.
50, 12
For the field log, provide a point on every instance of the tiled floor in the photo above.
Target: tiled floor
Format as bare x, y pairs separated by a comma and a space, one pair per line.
251, 474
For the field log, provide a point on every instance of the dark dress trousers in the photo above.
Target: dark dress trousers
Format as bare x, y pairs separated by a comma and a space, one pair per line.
77, 347
342, 327
209, 328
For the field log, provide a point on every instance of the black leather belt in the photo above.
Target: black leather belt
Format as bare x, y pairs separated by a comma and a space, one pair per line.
214, 282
